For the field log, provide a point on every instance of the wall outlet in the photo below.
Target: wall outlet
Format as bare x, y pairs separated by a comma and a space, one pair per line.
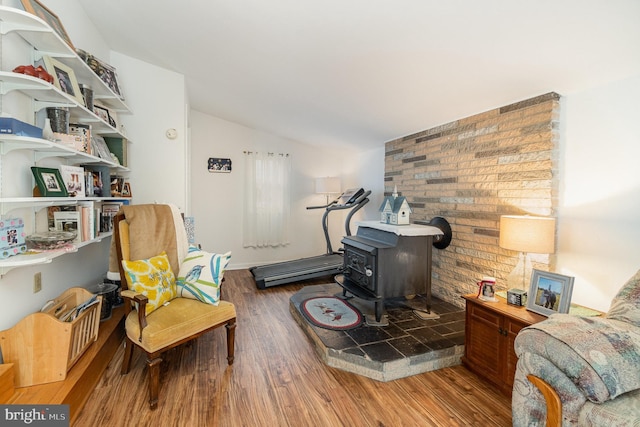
37, 282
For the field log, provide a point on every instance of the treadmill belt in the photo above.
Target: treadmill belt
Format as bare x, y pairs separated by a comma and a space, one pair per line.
296, 270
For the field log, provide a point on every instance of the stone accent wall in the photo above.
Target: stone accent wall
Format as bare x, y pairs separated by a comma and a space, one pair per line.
472, 171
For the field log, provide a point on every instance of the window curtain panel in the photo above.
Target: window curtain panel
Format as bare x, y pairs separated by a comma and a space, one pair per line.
267, 199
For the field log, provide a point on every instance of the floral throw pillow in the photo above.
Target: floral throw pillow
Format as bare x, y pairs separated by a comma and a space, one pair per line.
153, 278
201, 274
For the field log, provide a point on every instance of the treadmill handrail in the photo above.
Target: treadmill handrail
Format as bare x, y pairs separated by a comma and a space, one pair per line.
323, 206
357, 204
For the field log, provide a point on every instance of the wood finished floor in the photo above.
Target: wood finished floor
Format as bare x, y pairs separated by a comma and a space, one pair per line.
278, 380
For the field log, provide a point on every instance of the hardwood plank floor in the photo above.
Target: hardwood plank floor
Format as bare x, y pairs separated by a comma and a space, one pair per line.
278, 380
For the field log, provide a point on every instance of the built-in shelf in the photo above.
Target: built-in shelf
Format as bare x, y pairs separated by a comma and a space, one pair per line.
44, 148
7, 204
46, 42
45, 257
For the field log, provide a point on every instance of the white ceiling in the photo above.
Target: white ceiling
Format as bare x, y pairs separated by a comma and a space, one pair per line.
362, 72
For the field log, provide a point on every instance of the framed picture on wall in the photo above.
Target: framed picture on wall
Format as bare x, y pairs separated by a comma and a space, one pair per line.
216, 164
549, 293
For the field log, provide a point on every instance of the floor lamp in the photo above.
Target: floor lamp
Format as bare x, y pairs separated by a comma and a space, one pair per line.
526, 234
327, 186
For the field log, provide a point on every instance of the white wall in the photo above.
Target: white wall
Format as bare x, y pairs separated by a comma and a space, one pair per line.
217, 197
157, 99
599, 214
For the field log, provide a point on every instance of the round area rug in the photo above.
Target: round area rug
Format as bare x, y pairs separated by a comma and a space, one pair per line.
331, 313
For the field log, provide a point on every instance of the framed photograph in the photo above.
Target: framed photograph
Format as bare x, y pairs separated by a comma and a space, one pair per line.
215, 164
126, 189
106, 115
63, 78
106, 72
117, 183
36, 8
549, 293
110, 77
73, 178
49, 182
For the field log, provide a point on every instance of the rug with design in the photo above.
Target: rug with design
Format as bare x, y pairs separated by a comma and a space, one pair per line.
331, 313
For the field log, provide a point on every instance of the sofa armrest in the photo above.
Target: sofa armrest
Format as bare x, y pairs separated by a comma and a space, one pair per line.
552, 400
599, 355
529, 407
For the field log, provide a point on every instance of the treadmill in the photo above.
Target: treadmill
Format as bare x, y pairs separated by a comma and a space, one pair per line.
328, 264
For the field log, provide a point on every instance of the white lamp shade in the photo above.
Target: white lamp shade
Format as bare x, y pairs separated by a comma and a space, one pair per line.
328, 185
528, 233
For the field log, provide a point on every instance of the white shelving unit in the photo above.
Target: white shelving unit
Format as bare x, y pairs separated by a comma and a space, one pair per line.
45, 41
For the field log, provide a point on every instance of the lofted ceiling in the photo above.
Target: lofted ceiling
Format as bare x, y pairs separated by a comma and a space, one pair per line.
362, 72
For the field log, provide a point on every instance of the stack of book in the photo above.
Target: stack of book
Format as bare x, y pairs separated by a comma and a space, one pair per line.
87, 219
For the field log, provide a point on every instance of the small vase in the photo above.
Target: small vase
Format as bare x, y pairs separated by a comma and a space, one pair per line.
47, 132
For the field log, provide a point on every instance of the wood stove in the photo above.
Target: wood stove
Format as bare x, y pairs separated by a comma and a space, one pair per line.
387, 261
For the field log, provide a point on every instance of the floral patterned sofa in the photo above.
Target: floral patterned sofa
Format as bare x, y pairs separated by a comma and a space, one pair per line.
592, 364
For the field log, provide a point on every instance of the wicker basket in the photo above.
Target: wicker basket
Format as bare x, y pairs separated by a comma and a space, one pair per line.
43, 348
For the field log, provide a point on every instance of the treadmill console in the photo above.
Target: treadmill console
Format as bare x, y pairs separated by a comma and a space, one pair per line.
350, 196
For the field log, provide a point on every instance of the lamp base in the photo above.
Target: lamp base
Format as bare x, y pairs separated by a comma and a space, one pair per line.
521, 274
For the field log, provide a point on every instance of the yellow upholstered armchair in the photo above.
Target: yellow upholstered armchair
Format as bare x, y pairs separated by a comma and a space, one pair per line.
151, 241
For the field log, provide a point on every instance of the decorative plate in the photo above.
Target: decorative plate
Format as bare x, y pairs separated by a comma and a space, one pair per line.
50, 239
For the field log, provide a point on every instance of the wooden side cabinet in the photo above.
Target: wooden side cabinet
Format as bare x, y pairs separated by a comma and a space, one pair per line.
490, 330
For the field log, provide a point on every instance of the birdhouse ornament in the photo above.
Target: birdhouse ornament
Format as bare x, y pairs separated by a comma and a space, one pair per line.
395, 210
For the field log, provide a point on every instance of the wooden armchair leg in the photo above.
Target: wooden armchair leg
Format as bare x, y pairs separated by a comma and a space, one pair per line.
231, 336
128, 353
154, 380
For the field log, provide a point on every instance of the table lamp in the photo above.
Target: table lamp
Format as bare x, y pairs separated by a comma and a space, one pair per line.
526, 234
327, 186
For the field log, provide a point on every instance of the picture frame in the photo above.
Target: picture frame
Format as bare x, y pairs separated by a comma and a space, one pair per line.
110, 77
36, 8
64, 78
106, 72
219, 165
549, 293
73, 178
108, 116
126, 189
49, 182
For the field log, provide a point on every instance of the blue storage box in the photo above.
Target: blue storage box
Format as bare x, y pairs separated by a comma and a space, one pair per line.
16, 127
12, 237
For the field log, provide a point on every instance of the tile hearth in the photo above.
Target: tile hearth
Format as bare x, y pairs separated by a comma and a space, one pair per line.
407, 346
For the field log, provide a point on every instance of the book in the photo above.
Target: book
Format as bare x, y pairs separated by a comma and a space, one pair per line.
118, 146
88, 219
82, 133
69, 221
73, 178
108, 211
100, 148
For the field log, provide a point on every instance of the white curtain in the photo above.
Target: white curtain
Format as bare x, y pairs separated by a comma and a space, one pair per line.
267, 199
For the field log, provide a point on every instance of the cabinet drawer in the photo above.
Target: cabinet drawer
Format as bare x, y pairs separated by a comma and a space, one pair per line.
478, 313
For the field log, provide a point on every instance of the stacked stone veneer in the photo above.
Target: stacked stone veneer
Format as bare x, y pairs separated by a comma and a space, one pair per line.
472, 171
